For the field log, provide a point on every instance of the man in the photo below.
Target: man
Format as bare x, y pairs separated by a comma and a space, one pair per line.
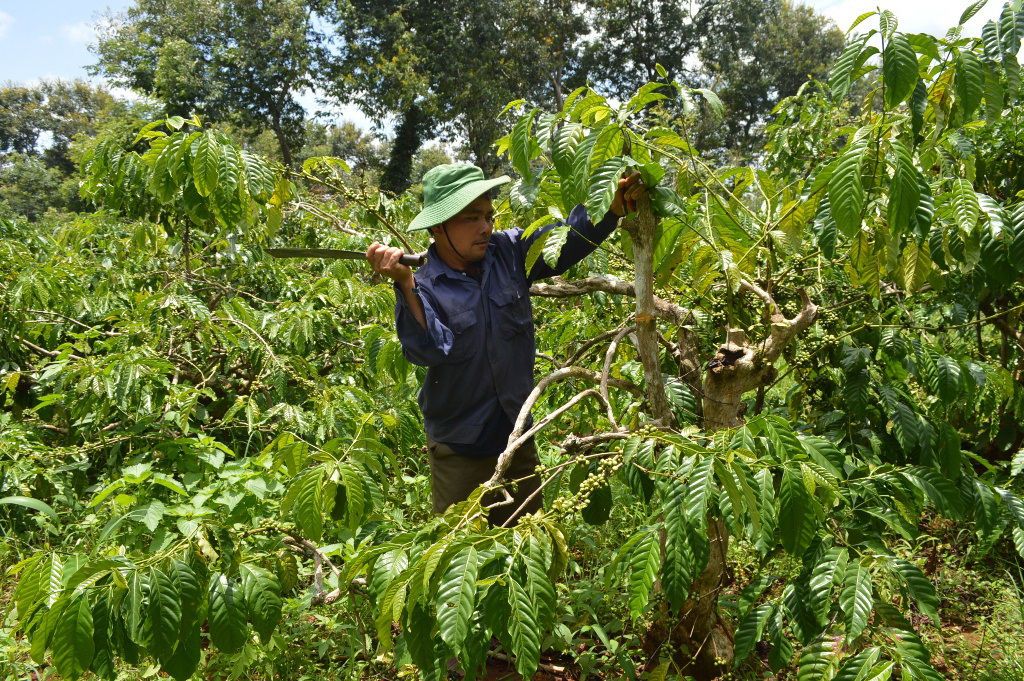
466, 316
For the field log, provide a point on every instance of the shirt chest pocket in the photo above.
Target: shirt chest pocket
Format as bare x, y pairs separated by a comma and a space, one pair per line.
463, 327
512, 312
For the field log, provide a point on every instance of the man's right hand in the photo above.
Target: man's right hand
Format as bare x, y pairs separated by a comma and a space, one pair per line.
384, 260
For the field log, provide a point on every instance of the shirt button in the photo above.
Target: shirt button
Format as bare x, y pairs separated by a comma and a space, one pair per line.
494, 360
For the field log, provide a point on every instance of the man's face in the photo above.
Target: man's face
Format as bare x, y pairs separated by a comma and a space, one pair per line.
469, 231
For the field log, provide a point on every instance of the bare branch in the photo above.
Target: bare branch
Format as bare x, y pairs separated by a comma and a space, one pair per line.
776, 313
552, 669
575, 443
548, 358
560, 288
608, 357
603, 336
518, 438
307, 548
76, 322
41, 351
620, 383
572, 445
326, 217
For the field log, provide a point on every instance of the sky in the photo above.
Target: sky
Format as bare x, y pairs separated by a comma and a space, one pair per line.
50, 38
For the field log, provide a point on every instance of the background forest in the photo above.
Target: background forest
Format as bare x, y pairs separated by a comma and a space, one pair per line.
780, 412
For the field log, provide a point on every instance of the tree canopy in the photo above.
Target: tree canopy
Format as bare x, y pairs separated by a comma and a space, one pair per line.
223, 59
446, 72
40, 127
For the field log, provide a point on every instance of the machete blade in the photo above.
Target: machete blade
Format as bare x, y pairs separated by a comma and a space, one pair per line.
410, 259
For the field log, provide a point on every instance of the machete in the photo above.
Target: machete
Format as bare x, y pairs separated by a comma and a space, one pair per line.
410, 259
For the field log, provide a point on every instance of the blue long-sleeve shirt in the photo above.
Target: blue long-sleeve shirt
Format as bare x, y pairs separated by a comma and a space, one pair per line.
479, 343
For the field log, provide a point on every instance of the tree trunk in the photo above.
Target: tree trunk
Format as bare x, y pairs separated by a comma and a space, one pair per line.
737, 368
282, 141
556, 88
408, 137
278, 128
706, 635
641, 231
707, 639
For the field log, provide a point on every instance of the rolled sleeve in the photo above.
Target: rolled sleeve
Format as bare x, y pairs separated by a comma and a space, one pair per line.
425, 347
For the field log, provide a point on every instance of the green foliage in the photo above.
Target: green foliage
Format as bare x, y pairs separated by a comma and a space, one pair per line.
42, 128
188, 179
203, 461
228, 61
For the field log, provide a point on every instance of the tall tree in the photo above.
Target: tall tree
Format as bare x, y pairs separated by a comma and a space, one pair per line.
794, 45
21, 116
38, 126
363, 152
59, 109
448, 72
632, 37
752, 53
225, 59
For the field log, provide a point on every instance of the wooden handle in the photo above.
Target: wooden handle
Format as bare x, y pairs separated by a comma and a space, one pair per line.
413, 259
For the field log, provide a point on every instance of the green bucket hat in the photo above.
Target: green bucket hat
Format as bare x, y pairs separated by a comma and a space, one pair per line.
449, 188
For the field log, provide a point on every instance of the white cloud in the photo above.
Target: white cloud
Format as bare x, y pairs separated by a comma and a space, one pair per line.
81, 33
5, 23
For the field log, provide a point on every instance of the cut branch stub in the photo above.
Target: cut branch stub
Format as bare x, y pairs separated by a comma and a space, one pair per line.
740, 366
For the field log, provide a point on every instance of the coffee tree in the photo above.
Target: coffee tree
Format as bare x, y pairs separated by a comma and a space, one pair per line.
803, 362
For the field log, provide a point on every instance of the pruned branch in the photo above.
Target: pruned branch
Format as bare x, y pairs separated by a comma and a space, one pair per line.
740, 365
784, 330
560, 288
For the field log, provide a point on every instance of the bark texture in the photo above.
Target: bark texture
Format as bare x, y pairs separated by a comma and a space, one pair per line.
705, 638
738, 367
641, 231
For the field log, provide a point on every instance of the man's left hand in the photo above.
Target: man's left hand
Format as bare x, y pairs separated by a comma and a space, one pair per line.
631, 188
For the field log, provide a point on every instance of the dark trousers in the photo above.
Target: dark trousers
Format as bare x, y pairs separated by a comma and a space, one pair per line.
454, 477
